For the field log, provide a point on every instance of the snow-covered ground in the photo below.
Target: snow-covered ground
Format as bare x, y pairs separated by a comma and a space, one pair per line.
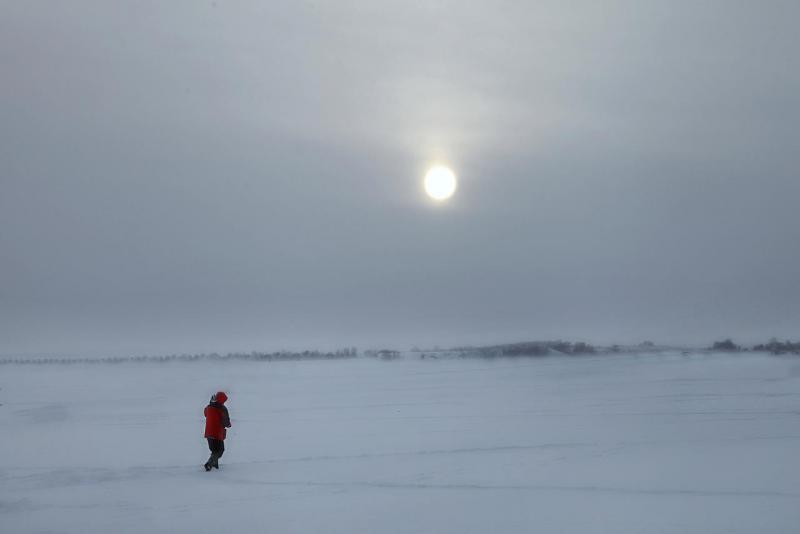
616, 444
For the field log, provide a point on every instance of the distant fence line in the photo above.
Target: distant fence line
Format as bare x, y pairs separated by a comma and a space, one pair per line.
277, 356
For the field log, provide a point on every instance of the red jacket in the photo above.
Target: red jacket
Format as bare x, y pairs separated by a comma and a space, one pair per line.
217, 419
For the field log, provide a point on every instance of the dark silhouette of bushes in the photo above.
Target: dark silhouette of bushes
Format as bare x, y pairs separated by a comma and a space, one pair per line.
528, 348
726, 346
779, 347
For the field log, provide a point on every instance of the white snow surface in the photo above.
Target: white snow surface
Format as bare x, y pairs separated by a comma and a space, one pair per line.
617, 444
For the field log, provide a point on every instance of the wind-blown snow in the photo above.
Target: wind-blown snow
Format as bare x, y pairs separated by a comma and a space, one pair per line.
622, 444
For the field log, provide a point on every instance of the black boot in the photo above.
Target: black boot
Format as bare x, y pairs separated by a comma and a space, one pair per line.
216, 462
210, 463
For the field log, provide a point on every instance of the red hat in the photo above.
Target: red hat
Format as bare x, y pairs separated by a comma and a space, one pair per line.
219, 397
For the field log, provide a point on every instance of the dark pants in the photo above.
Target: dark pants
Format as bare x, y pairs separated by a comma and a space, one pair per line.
216, 446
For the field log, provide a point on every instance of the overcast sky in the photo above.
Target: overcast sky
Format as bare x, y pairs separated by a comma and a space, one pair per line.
198, 176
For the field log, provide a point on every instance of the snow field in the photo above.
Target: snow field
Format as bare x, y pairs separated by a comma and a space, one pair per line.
623, 444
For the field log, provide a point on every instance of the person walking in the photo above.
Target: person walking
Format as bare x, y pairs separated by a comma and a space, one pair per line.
217, 423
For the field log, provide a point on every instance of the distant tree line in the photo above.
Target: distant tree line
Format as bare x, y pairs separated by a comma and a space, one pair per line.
510, 350
726, 346
779, 347
773, 346
384, 354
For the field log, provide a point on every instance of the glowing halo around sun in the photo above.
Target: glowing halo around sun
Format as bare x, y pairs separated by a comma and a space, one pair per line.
440, 182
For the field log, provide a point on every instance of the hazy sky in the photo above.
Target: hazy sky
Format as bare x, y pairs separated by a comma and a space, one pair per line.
196, 176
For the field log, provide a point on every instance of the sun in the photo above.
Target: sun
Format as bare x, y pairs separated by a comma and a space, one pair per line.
440, 182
